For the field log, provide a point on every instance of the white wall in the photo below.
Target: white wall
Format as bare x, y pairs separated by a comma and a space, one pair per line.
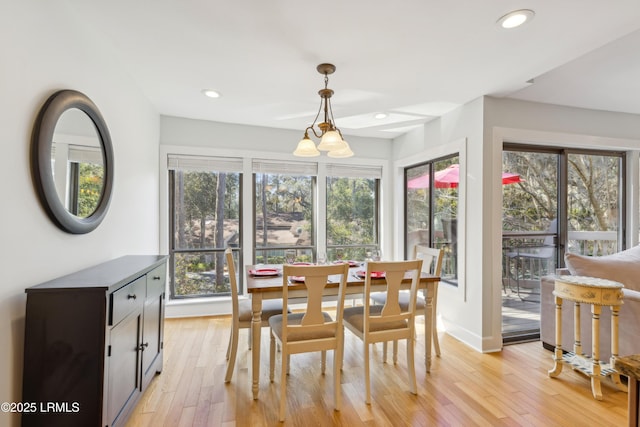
460, 131
44, 48
472, 312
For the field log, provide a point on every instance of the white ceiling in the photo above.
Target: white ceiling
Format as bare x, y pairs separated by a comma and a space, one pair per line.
413, 59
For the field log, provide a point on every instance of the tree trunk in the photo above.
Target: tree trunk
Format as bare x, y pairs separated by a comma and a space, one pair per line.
219, 232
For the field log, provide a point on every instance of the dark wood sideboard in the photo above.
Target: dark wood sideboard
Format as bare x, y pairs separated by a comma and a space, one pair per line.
93, 342
630, 366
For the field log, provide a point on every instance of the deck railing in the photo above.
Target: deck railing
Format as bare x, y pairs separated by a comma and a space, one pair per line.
527, 256
592, 243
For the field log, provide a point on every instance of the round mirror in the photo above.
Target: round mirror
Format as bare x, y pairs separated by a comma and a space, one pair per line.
72, 161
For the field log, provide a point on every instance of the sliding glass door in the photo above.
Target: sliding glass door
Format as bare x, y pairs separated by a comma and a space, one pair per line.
562, 201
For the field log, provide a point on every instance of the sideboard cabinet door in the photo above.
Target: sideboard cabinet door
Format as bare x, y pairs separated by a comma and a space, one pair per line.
124, 366
152, 331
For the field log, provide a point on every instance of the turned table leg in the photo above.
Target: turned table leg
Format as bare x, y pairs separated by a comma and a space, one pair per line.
429, 325
615, 377
256, 328
577, 343
557, 355
595, 351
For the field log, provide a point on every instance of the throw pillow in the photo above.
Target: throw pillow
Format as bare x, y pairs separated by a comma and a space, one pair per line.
623, 267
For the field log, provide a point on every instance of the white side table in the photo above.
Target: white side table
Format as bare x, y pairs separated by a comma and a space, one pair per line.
597, 293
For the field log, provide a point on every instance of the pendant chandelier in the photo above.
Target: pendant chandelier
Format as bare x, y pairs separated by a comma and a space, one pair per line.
330, 136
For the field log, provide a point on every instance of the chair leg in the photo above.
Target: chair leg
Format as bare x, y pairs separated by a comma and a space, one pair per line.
232, 351
323, 363
272, 356
395, 352
249, 338
413, 388
384, 352
367, 386
341, 352
436, 341
229, 345
337, 391
283, 383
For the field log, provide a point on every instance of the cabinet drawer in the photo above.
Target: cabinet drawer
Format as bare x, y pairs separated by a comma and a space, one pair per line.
127, 299
156, 280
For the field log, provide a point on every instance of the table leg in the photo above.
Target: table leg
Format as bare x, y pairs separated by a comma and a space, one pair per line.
557, 355
615, 377
596, 390
577, 343
428, 325
256, 328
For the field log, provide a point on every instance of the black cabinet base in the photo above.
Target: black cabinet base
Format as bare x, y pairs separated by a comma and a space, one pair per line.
93, 342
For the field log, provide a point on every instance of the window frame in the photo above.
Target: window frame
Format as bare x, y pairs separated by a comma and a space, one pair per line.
431, 214
376, 210
247, 216
313, 233
172, 250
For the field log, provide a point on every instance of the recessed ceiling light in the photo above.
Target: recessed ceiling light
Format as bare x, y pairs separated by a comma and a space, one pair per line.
516, 18
380, 116
211, 93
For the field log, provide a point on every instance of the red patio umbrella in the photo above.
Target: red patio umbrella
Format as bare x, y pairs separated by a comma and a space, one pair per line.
450, 176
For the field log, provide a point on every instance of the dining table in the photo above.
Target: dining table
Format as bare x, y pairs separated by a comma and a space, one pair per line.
265, 282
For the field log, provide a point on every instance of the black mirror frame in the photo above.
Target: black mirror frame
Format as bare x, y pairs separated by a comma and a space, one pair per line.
41, 143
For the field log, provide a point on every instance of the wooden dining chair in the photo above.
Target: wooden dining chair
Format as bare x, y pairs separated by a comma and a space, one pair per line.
241, 315
431, 264
387, 322
311, 330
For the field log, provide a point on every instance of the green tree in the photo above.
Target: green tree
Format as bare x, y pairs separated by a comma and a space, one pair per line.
199, 200
351, 211
89, 188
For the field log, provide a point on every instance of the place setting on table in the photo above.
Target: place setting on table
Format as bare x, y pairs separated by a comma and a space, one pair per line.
270, 271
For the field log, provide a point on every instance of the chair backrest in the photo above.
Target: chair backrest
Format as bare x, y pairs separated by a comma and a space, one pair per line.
233, 283
316, 279
431, 259
395, 273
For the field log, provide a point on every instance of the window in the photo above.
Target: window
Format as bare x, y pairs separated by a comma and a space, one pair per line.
299, 206
205, 214
284, 210
79, 177
352, 211
583, 189
431, 211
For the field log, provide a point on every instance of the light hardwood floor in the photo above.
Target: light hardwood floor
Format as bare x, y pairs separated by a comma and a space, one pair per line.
464, 388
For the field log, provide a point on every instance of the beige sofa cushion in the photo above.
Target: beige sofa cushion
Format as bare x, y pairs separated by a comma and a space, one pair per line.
623, 267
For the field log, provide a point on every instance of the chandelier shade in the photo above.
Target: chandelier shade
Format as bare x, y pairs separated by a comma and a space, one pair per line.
306, 148
342, 152
330, 136
331, 141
